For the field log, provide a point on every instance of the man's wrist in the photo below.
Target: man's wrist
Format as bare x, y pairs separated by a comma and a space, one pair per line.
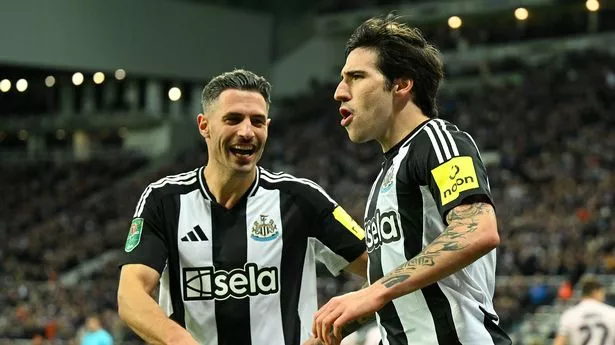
380, 294
180, 337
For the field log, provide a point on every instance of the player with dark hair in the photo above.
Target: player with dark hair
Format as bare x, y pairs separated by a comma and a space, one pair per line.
430, 224
591, 322
233, 245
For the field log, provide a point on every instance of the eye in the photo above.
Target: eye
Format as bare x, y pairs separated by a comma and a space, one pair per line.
258, 121
232, 120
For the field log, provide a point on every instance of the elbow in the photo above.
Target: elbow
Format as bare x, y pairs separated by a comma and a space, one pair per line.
494, 240
491, 239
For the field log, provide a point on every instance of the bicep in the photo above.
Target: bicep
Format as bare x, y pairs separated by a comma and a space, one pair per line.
475, 222
480, 213
138, 275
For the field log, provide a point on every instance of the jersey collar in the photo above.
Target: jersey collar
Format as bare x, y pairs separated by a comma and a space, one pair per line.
406, 140
207, 194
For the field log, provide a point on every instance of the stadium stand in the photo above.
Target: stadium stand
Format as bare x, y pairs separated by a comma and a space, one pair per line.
553, 186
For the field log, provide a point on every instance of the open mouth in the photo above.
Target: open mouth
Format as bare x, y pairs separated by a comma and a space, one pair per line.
243, 150
346, 116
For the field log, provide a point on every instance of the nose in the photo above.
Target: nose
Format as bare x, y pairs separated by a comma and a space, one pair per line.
342, 93
245, 129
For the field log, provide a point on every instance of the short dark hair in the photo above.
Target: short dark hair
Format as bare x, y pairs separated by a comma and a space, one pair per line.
589, 285
238, 79
403, 52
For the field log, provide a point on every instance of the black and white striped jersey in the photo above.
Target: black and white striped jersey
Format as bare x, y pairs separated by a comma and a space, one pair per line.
244, 275
424, 176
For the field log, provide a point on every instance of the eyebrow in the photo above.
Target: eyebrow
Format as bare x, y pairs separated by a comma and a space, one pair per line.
352, 71
234, 114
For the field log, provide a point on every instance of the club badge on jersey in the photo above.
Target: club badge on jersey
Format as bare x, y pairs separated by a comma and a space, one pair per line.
264, 229
387, 182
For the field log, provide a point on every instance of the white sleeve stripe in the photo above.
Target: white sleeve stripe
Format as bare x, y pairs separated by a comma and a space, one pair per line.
158, 184
285, 177
177, 177
449, 136
434, 144
473, 142
281, 175
436, 129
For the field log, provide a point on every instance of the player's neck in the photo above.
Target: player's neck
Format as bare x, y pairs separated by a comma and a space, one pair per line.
227, 189
402, 124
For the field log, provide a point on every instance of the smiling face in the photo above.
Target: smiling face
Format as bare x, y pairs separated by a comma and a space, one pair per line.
235, 129
366, 104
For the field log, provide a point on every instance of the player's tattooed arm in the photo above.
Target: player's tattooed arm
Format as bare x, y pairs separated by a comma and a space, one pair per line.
459, 245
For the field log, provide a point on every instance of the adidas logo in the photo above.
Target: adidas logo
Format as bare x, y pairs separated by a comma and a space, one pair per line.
195, 235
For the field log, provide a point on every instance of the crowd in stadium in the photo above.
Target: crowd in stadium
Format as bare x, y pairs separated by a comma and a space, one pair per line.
552, 183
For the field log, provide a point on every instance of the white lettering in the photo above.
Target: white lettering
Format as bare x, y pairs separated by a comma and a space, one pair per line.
252, 277
382, 229
238, 282
220, 284
388, 228
272, 278
203, 283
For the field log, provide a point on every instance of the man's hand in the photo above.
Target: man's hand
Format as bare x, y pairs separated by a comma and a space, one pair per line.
343, 309
312, 341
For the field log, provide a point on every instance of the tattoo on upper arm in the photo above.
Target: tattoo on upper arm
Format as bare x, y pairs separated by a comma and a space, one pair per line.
462, 220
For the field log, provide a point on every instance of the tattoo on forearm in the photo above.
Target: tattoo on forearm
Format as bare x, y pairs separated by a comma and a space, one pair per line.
425, 261
462, 220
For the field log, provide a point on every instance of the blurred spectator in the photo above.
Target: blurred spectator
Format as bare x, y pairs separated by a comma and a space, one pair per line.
95, 334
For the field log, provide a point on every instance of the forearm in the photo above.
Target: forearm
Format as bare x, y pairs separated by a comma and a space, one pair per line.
466, 239
144, 317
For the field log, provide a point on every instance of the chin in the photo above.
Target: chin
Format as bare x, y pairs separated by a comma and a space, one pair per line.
357, 138
245, 169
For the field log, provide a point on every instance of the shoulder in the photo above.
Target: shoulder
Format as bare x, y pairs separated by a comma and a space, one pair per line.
568, 315
574, 312
172, 184
107, 335
610, 309
290, 184
442, 138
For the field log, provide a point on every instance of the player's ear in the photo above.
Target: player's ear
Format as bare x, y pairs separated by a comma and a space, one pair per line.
203, 125
403, 86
